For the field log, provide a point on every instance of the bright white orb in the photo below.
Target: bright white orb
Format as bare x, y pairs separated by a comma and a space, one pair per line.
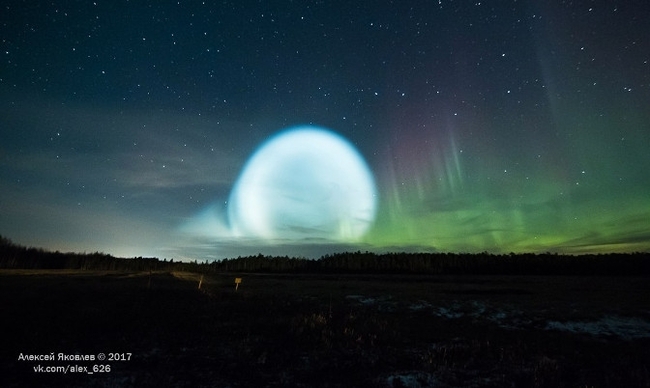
305, 182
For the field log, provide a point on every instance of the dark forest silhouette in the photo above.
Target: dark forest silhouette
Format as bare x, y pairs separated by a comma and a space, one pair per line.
13, 256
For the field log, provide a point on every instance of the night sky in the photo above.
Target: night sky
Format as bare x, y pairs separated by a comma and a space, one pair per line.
126, 127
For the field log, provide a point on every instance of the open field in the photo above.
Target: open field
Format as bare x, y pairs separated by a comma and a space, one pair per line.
326, 330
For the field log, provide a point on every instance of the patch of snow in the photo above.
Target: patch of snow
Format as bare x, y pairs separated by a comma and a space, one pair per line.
362, 299
625, 328
412, 380
448, 313
497, 317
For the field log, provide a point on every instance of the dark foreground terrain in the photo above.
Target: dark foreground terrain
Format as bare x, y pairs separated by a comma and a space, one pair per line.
324, 330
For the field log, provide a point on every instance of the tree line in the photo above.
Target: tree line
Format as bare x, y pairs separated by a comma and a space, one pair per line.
13, 256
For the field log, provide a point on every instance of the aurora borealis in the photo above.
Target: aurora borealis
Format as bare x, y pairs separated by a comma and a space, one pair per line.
514, 126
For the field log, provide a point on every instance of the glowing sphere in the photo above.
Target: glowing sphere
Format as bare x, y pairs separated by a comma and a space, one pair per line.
303, 183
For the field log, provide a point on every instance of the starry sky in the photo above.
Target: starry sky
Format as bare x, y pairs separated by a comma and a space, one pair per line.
498, 126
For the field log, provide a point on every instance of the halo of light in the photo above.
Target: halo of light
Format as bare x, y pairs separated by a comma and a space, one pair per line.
305, 182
